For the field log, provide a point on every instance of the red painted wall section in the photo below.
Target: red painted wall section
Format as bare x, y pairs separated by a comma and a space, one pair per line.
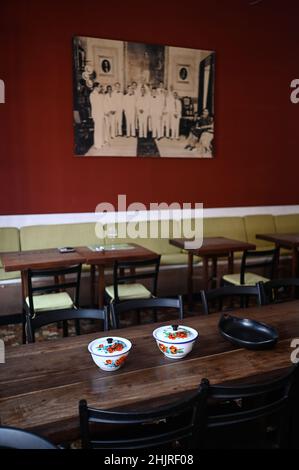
257, 157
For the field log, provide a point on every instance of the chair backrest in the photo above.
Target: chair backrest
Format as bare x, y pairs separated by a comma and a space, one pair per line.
58, 282
222, 293
55, 316
261, 259
13, 438
153, 304
276, 398
138, 270
184, 419
279, 290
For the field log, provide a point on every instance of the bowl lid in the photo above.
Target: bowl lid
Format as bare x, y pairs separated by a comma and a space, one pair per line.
175, 334
109, 346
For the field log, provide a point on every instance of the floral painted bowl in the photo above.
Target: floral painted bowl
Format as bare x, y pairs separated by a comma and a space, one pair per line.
110, 353
175, 341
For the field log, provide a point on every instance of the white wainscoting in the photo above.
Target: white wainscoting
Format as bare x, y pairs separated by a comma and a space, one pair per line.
45, 219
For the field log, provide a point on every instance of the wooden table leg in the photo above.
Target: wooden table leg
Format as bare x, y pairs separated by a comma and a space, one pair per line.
205, 260
24, 280
190, 280
92, 285
230, 263
101, 285
214, 272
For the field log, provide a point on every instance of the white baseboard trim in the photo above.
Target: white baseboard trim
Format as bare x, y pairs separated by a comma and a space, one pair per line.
68, 218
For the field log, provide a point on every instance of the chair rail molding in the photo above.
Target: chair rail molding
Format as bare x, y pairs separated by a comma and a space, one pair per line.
79, 217
2, 91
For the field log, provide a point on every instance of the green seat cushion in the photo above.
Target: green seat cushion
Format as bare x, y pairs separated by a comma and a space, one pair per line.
54, 236
177, 258
259, 224
287, 223
129, 291
55, 301
5, 276
250, 279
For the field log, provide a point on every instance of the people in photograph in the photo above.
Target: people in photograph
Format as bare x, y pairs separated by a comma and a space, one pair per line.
110, 113
96, 98
204, 123
155, 111
135, 92
168, 98
206, 139
161, 88
130, 112
142, 111
142, 84
118, 103
175, 116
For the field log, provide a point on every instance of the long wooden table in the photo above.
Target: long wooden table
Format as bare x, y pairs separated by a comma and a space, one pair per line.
42, 383
285, 240
52, 258
212, 248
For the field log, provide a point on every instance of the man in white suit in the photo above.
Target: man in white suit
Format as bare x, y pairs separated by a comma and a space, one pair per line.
168, 99
97, 113
118, 104
142, 110
110, 113
130, 112
156, 108
175, 116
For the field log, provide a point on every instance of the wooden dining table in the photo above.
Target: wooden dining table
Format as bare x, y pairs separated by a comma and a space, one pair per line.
42, 383
285, 240
211, 248
53, 258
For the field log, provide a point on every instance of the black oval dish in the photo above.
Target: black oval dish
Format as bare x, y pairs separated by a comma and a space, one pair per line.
249, 334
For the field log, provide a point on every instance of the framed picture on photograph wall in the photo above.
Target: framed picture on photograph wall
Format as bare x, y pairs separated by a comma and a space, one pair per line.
183, 73
106, 66
142, 100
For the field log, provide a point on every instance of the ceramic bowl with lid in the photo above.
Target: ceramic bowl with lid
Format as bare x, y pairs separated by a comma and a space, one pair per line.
110, 353
175, 341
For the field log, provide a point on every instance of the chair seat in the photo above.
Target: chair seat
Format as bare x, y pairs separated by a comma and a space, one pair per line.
55, 301
250, 279
129, 291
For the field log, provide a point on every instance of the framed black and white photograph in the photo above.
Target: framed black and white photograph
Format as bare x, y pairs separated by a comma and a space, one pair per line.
142, 100
106, 65
183, 73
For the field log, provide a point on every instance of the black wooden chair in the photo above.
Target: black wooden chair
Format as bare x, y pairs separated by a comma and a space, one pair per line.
217, 296
13, 438
51, 295
155, 305
255, 415
279, 290
56, 316
266, 259
183, 421
125, 275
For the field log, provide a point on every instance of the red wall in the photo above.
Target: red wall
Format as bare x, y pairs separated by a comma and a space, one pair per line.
257, 158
